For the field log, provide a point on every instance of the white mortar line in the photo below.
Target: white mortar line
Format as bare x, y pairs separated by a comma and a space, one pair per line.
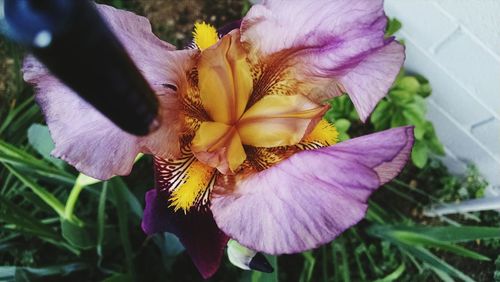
468, 133
408, 37
467, 31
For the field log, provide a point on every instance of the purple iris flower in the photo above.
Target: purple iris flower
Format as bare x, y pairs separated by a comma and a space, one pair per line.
243, 152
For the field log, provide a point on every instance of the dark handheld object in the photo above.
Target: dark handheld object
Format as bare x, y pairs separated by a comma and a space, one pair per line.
72, 40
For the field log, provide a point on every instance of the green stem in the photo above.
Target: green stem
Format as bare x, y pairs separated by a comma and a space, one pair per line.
72, 199
81, 182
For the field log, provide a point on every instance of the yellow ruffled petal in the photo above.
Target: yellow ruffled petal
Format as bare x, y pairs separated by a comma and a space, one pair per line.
218, 145
225, 80
279, 120
242, 74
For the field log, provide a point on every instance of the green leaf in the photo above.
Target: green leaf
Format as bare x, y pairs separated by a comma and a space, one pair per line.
419, 132
425, 87
16, 273
435, 144
394, 276
118, 189
456, 233
308, 268
341, 266
381, 116
77, 236
401, 97
342, 125
13, 114
10, 154
393, 25
17, 219
409, 83
101, 223
414, 114
436, 264
420, 154
20, 219
398, 120
41, 192
415, 239
39, 137
413, 244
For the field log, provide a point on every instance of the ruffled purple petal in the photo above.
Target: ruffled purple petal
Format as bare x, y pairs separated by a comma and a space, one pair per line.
336, 43
88, 140
312, 197
197, 231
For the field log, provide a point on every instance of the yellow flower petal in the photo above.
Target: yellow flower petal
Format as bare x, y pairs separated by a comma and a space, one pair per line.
279, 120
225, 80
218, 145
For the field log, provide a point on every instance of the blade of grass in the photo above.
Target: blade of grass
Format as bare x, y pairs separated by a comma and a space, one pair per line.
324, 263
21, 221
412, 238
118, 187
418, 239
13, 113
14, 156
456, 234
15, 273
101, 221
308, 268
393, 276
434, 262
342, 266
46, 196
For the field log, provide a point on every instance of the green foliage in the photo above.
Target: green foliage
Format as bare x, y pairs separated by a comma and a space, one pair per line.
393, 25
405, 105
496, 275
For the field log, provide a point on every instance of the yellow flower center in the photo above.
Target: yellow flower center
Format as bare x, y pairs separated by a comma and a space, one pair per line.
225, 87
242, 116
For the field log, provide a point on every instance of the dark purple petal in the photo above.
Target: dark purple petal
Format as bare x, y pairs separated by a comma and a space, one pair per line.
197, 231
312, 197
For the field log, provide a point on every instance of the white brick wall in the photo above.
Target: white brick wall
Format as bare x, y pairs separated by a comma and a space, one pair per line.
456, 45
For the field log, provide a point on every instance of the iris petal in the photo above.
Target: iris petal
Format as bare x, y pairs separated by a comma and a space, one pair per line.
197, 231
277, 120
313, 196
218, 145
85, 138
334, 45
225, 80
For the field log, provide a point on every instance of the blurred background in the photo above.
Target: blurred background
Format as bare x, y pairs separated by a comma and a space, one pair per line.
435, 222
